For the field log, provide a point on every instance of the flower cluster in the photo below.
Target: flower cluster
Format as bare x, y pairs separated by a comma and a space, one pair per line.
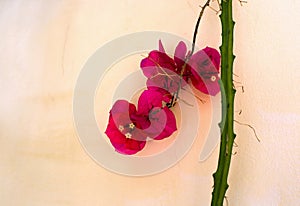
129, 127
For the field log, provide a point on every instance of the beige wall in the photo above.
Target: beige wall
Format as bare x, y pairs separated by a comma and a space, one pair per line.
44, 44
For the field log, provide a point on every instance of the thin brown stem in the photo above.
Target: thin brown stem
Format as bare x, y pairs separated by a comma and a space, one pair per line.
175, 96
248, 125
242, 2
197, 25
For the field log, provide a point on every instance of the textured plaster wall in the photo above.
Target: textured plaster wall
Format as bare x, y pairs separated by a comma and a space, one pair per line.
44, 44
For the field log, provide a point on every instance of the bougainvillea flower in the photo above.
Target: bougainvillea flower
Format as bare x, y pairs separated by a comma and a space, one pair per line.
122, 128
161, 70
129, 128
202, 68
152, 103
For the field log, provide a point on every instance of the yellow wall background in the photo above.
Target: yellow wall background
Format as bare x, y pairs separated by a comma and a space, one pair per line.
44, 44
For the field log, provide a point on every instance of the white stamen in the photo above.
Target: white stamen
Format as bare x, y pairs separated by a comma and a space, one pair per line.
121, 128
213, 78
131, 125
128, 135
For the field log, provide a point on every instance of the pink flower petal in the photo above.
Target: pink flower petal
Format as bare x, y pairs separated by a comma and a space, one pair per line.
180, 55
161, 47
121, 116
162, 119
214, 56
207, 86
164, 79
205, 70
159, 60
119, 141
154, 97
159, 68
164, 123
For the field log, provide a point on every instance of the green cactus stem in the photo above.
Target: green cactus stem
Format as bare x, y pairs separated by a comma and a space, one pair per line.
227, 93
